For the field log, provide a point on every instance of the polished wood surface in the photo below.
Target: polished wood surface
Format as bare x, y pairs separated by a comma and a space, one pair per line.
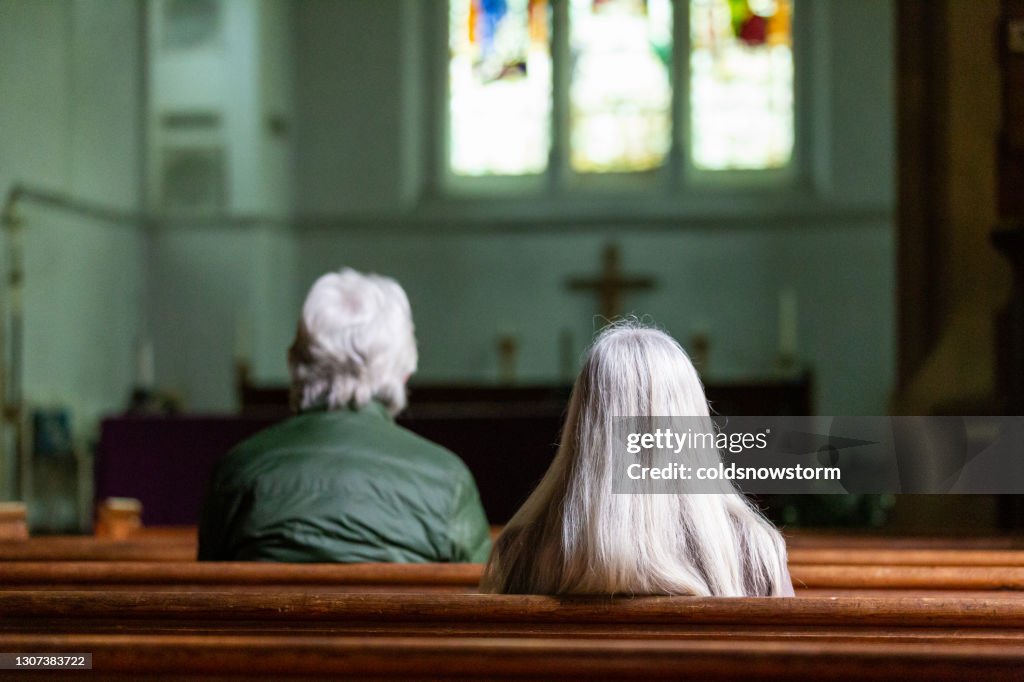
837, 539
906, 557
912, 614
179, 543
18, 608
909, 577
411, 658
236, 573
87, 548
16, 575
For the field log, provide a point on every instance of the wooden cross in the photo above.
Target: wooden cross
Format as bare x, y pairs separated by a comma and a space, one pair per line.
611, 284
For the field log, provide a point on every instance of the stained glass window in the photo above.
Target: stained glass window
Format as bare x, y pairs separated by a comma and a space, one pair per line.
620, 90
500, 86
741, 84
740, 109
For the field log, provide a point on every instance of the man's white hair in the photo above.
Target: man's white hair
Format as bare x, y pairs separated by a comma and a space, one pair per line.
575, 536
354, 343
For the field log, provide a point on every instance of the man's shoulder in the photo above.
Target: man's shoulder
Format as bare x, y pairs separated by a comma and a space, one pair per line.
290, 433
320, 438
428, 450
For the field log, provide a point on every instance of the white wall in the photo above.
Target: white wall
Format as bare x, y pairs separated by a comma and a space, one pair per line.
70, 122
722, 267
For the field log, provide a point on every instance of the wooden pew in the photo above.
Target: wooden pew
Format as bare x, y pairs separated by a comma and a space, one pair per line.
84, 622
520, 636
298, 620
416, 658
480, 614
239, 576
180, 544
143, 547
13, 521
811, 579
837, 539
889, 555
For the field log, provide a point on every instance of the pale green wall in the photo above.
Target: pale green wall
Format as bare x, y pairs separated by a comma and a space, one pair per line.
214, 287
224, 290
70, 121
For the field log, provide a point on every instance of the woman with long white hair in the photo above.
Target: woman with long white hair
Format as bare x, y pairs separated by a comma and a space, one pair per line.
575, 535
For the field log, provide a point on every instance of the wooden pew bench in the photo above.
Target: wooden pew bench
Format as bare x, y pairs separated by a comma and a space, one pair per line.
414, 636
146, 547
978, 618
180, 544
895, 556
818, 539
809, 579
175, 657
421, 635
239, 576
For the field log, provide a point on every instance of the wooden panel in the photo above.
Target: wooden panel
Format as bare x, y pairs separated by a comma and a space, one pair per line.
1011, 178
179, 544
433, 658
922, 177
238, 573
906, 557
459, 577
19, 608
833, 539
86, 548
910, 577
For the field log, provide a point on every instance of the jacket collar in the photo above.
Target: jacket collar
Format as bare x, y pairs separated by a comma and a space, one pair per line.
374, 408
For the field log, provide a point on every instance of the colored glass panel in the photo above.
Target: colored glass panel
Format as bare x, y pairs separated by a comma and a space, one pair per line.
741, 84
620, 92
500, 87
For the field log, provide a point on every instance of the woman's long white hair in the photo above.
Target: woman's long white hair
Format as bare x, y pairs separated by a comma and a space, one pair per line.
575, 536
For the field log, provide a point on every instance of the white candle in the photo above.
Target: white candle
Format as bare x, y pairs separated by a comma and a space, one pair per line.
787, 324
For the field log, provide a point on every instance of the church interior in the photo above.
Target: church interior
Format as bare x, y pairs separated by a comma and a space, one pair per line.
821, 200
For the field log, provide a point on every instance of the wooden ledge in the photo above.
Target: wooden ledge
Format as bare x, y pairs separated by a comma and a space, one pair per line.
19, 607
287, 656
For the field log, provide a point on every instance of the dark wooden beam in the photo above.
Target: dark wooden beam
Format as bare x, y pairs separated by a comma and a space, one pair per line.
922, 177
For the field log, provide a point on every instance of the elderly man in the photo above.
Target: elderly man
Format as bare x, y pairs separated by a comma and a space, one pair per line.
341, 482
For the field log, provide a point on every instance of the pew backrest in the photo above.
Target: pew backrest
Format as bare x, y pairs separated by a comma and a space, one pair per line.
19, 608
120, 656
451, 577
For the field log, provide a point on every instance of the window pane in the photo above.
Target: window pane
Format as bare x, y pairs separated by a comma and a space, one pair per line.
500, 80
621, 96
741, 84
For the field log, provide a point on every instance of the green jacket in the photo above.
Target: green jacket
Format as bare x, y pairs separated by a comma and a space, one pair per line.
342, 486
